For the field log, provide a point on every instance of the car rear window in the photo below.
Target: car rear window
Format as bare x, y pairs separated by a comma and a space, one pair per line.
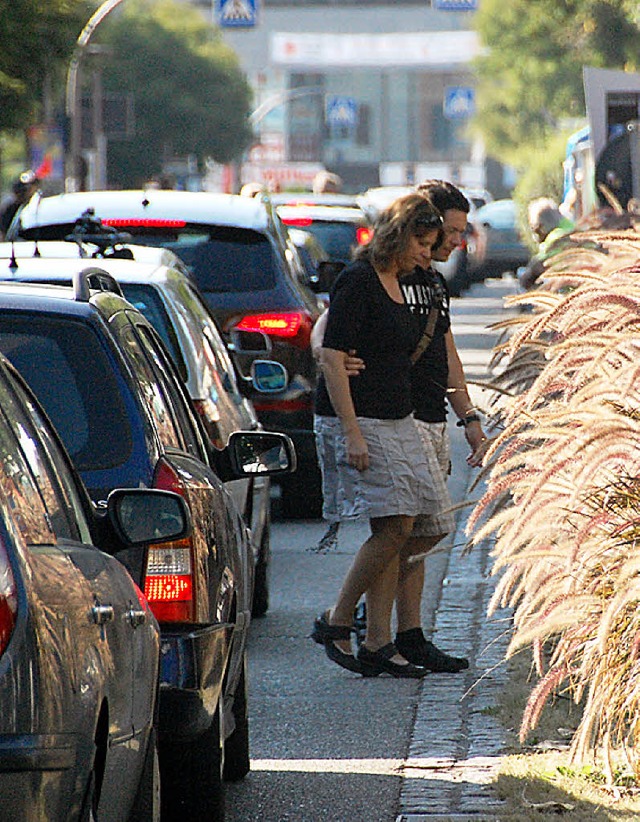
338, 239
68, 370
220, 258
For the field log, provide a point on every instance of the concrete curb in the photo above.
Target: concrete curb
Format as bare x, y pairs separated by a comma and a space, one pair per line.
457, 741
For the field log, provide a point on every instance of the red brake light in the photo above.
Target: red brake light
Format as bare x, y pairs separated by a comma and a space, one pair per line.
364, 235
294, 326
168, 583
8, 600
299, 222
118, 222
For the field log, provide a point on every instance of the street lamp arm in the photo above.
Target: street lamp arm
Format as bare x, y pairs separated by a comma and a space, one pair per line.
282, 97
83, 38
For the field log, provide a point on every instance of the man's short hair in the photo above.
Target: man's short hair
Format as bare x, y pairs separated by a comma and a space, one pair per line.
444, 195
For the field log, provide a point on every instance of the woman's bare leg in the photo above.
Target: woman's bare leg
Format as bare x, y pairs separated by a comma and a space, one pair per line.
388, 535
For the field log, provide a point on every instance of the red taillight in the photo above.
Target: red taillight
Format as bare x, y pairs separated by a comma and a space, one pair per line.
298, 222
8, 600
295, 326
168, 583
364, 235
118, 222
296, 404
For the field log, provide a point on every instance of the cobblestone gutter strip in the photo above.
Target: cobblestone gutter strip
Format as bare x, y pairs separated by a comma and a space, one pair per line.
457, 741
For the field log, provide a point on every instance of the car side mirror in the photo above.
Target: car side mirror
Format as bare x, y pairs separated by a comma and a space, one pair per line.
251, 343
254, 452
142, 515
269, 376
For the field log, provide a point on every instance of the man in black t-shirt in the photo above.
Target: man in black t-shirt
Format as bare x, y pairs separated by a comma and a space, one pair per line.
437, 380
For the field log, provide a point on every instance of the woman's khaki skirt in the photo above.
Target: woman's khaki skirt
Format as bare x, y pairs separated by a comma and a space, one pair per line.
398, 481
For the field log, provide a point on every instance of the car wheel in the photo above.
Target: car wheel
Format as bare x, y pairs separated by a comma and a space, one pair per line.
146, 806
191, 776
260, 603
301, 498
236, 750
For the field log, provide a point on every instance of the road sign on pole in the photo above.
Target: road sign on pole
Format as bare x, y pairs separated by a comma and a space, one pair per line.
459, 102
236, 13
341, 111
456, 5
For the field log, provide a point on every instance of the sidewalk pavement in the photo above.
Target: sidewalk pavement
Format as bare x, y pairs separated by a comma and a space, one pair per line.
457, 740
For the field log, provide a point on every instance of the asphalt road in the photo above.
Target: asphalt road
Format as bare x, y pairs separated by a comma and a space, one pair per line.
328, 745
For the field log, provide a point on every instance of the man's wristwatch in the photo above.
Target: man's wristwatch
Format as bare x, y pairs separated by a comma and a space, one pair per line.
467, 419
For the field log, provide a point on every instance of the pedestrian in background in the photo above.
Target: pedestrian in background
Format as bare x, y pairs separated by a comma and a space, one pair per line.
22, 191
551, 229
325, 182
381, 467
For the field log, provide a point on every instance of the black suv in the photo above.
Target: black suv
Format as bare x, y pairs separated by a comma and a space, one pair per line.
110, 388
249, 271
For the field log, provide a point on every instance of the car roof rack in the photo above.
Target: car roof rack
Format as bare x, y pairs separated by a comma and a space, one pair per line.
93, 279
109, 241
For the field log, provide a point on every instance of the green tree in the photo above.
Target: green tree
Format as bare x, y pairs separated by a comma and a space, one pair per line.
37, 42
190, 95
530, 76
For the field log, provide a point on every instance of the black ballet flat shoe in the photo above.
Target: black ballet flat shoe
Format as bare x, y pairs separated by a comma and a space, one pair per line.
379, 662
325, 634
420, 651
320, 628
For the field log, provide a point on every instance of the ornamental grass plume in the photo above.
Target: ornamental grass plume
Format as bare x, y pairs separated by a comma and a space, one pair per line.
562, 498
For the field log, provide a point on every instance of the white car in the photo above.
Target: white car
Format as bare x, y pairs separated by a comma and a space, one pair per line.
157, 284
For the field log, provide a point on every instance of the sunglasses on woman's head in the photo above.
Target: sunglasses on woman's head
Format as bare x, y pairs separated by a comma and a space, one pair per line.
432, 221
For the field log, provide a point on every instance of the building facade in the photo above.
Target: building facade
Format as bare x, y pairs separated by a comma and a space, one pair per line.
379, 92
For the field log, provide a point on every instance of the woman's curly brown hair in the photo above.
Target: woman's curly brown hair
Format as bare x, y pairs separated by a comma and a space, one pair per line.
410, 216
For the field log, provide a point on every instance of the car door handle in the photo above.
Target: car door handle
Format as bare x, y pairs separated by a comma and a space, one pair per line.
136, 617
102, 614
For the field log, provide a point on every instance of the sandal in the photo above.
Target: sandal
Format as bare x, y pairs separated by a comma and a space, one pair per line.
379, 662
325, 634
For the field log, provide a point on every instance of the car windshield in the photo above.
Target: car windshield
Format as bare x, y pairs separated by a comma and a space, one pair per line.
67, 368
220, 258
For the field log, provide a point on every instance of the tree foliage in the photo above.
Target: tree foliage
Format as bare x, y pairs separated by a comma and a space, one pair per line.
190, 95
530, 75
37, 41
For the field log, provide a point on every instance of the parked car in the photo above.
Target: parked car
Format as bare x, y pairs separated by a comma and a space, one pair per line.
328, 198
161, 288
79, 645
340, 230
376, 199
246, 266
115, 397
500, 246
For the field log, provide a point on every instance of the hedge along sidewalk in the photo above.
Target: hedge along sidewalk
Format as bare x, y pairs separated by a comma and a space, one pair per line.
458, 739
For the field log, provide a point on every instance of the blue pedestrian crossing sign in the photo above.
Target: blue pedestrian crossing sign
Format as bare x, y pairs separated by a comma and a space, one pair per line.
459, 102
341, 111
456, 5
236, 13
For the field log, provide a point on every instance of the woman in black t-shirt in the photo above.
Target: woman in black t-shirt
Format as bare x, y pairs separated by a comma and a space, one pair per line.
381, 465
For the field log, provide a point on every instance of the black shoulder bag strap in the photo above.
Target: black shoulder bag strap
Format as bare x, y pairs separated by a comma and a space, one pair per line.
427, 335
